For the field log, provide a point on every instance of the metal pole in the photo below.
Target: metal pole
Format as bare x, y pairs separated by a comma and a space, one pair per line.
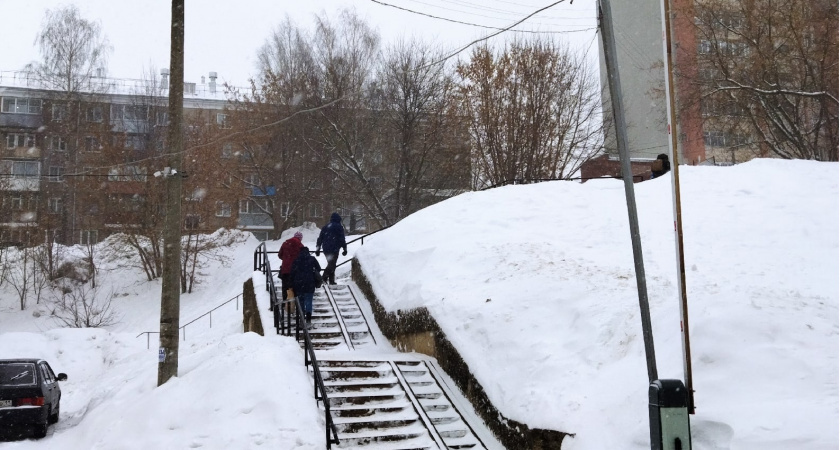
170, 298
608, 37
675, 183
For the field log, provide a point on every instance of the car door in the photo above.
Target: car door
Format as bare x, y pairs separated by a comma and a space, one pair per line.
48, 385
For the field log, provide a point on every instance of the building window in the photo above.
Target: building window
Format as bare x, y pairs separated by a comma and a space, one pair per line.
59, 112
88, 237
162, 119
135, 142
704, 47
17, 202
316, 210
92, 144
94, 114
191, 221
25, 169
222, 120
128, 112
227, 151
127, 173
25, 140
54, 204
57, 143
223, 209
285, 208
16, 105
244, 207
56, 173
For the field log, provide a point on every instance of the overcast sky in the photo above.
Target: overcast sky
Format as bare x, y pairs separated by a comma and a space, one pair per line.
224, 36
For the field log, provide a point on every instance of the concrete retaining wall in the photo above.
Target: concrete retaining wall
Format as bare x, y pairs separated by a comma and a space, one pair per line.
416, 330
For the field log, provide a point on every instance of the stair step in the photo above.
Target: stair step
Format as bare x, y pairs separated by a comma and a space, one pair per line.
376, 425
396, 415
339, 363
378, 381
368, 388
366, 437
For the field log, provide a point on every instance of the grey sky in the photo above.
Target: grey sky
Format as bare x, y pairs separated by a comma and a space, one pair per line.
224, 36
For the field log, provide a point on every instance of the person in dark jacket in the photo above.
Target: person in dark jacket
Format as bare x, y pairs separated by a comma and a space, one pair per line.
660, 166
306, 273
332, 239
288, 253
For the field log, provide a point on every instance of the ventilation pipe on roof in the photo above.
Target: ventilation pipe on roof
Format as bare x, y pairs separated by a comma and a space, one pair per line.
164, 78
213, 77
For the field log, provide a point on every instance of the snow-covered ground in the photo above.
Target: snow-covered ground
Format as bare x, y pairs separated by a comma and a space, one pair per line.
535, 286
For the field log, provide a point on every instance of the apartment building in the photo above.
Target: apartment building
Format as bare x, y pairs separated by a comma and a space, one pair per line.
78, 167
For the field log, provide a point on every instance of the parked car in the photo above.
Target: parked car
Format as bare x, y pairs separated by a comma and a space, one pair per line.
29, 394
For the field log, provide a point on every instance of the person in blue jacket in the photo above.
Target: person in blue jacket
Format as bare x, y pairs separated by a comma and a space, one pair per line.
306, 277
332, 239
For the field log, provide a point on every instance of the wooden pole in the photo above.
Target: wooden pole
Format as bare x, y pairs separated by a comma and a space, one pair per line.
170, 297
675, 185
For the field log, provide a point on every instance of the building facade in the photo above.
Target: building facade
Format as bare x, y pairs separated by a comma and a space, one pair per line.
77, 167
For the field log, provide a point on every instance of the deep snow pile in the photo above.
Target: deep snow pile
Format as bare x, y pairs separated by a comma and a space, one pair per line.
534, 284
234, 390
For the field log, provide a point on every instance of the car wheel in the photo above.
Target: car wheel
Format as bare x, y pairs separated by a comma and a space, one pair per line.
54, 415
41, 429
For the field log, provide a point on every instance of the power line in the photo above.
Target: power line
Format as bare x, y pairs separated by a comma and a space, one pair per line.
505, 12
481, 26
492, 34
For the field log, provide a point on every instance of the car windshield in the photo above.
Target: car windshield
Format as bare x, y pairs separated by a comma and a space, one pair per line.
17, 374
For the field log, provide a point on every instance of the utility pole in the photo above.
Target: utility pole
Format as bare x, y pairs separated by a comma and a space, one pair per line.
675, 183
608, 37
170, 296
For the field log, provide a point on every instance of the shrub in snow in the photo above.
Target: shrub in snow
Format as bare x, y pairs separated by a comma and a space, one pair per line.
83, 306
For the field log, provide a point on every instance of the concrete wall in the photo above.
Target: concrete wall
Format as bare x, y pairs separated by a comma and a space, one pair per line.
417, 330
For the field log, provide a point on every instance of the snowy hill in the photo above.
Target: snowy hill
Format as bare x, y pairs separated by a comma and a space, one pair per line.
535, 285
536, 280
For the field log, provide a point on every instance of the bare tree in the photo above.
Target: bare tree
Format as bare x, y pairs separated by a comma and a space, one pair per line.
429, 152
83, 306
200, 249
40, 276
767, 76
18, 273
346, 132
74, 52
533, 110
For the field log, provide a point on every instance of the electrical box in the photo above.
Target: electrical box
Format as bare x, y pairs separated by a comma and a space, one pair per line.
668, 408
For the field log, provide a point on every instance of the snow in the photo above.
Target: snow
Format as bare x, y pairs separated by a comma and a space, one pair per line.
534, 284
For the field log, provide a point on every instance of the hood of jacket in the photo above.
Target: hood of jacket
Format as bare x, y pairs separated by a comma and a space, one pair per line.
335, 218
304, 253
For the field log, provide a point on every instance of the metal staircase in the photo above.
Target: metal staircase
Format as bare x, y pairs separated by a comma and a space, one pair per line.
373, 399
393, 404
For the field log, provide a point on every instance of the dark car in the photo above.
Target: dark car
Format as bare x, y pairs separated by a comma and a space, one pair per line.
29, 394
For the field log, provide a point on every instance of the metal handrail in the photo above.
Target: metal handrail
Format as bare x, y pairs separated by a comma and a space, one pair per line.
184, 326
309, 358
279, 308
